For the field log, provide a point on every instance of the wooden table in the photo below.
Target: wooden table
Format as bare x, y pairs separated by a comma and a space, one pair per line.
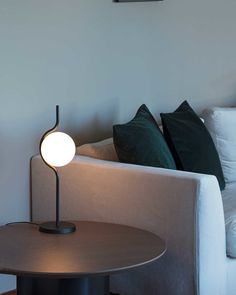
75, 264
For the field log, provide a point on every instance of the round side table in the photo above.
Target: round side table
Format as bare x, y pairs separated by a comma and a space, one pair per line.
75, 264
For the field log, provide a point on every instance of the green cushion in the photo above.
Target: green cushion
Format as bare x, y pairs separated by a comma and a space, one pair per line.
190, 143
141, 142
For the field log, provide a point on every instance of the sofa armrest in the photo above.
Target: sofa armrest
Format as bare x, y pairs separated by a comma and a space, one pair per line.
183, 208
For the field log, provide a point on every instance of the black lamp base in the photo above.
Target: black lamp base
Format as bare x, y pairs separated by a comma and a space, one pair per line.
52, 228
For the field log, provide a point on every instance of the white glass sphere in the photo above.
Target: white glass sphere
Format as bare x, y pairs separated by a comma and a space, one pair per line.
58, 149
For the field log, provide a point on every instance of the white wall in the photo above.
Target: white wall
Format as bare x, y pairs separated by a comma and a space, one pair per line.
100, 60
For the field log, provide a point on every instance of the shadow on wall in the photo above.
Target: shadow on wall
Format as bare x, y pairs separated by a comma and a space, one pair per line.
96, 129
98, 123
95, 123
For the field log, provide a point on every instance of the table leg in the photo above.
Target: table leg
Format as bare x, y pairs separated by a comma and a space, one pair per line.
47, 286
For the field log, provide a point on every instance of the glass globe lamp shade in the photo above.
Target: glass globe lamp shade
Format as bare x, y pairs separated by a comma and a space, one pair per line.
58, 149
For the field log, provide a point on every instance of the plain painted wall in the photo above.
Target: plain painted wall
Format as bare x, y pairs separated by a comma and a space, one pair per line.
100, 60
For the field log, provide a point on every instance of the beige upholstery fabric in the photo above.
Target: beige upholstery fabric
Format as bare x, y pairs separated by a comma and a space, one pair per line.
183, 208
103, 150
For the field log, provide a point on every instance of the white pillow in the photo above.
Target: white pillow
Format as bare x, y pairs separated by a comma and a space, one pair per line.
221, 123
103, 150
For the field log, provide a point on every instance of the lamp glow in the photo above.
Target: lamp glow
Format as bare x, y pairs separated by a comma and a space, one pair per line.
58, 149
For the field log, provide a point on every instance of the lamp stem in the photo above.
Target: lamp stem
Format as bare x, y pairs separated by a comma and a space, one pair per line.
57, 196
57, 199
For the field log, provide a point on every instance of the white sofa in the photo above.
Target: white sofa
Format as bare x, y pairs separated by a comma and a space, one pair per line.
185, 209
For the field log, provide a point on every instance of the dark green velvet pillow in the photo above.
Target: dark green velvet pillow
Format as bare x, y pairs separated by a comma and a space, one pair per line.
190, 143
141, 142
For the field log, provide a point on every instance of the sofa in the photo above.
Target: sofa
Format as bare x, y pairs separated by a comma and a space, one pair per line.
188, 210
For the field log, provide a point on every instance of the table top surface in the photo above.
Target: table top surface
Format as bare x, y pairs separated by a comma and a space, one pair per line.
95, 248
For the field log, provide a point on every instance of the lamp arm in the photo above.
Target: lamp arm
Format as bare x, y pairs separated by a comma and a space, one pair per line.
46, 134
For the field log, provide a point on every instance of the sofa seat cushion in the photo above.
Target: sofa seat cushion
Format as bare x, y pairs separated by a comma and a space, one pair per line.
229, 203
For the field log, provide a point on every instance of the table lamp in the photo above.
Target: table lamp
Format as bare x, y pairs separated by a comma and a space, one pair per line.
57, 149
